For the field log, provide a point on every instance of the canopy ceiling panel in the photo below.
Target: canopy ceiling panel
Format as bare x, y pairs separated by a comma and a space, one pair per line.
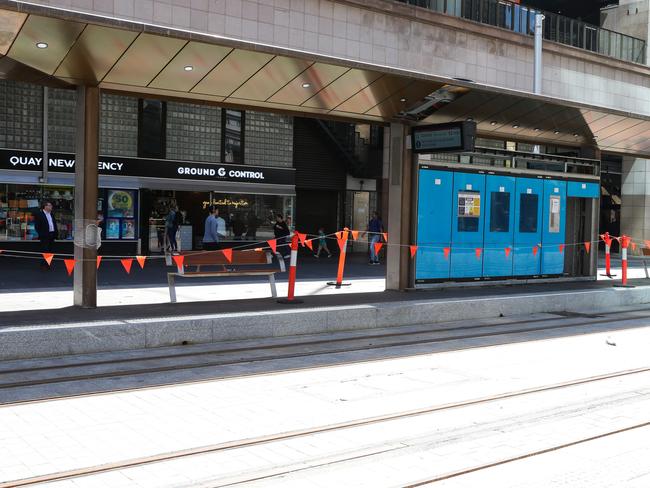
58, 36
189, 66
144, 59
308, 83
342, 88
94, 54
10, 25
373, 94
271, 78
398, 101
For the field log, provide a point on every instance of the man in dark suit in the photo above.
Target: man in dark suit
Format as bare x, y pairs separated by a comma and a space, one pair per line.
46, 229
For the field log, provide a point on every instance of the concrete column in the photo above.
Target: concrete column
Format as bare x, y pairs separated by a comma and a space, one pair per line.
85, 198
398, 266
635, 198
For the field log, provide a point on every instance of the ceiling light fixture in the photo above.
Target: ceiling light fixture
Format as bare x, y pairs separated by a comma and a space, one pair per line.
306, 85
469, 119
575, 135
402, 99
537, 129
515, 126
188, 68
556, 132
41, 45
493, 123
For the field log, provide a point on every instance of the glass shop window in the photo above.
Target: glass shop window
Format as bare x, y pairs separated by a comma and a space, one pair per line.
469, 211
528, 213
151, 134
500, 212
554, 215
233, 136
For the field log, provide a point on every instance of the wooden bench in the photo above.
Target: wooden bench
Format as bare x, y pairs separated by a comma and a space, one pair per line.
644, 258
200, 260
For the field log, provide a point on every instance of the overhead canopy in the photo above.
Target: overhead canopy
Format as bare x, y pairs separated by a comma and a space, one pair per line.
136, 58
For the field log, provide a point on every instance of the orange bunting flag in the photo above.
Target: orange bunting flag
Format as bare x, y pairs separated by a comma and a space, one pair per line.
228, 254
69, 265
355, 234
447, 250
385, 234
535, 249
633, 244
302, 238
561, 247
272, 244
141, 260
378, 246
48, 256
309, 244
179, 260
99, 261
507, 249
258, 249
478, 251
126, 263
647, 244
588, 246
414, 249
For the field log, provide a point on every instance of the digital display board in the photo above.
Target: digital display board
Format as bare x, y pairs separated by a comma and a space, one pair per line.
458, 136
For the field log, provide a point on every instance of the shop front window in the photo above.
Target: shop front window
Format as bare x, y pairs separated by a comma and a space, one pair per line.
19, 204
233, 136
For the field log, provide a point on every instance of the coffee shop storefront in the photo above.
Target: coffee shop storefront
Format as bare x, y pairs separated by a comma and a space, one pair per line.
135, 196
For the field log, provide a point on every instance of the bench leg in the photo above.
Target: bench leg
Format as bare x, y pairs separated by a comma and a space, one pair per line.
172, 288
274, 291
645, 267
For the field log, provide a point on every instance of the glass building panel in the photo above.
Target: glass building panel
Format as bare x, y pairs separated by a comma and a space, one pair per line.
118, 126
21, 115
232, 150
61, 120
269, 139
193, 132
151, 129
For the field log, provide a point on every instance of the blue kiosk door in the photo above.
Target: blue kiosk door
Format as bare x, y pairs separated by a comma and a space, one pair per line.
467, 226
528, 226
434, 224
499, 225
553, 227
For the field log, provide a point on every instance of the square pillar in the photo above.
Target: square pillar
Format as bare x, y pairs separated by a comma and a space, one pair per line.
400, 209
85, 199
635, 198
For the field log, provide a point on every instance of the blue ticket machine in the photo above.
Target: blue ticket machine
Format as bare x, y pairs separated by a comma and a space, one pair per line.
468, 210
434, 224
499, 225
528, 226
553, 227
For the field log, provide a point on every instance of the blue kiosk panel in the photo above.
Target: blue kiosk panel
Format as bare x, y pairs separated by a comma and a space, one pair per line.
582, 189
434, 224
553, 227
499, 225
468, 210
528, 226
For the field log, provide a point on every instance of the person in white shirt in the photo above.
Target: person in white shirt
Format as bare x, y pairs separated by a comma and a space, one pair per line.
47, 230
220, 227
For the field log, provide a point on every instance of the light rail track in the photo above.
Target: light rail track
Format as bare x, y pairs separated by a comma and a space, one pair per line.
265, 439
356, 343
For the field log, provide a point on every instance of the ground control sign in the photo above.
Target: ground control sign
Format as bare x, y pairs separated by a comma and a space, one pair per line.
150, 168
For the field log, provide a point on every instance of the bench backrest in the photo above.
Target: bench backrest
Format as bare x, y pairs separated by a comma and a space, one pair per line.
215, 258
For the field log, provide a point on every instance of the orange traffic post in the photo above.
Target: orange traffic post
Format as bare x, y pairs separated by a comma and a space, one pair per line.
343, 246
608, 261
293, 263
625, 243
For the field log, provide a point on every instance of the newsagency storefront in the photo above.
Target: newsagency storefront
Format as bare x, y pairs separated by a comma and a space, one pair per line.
135, 196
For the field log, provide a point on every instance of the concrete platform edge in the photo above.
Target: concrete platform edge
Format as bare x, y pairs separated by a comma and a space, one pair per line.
24, 342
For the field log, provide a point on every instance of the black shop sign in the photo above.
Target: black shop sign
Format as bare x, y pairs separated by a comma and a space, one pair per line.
150, 168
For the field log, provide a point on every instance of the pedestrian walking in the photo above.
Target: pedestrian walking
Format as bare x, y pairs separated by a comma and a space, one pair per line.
171, 227
47, 230
220, 227
322, 243
375, 229
281, 232
210, 236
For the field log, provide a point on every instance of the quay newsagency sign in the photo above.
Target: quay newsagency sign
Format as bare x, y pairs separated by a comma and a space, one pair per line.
150, 168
